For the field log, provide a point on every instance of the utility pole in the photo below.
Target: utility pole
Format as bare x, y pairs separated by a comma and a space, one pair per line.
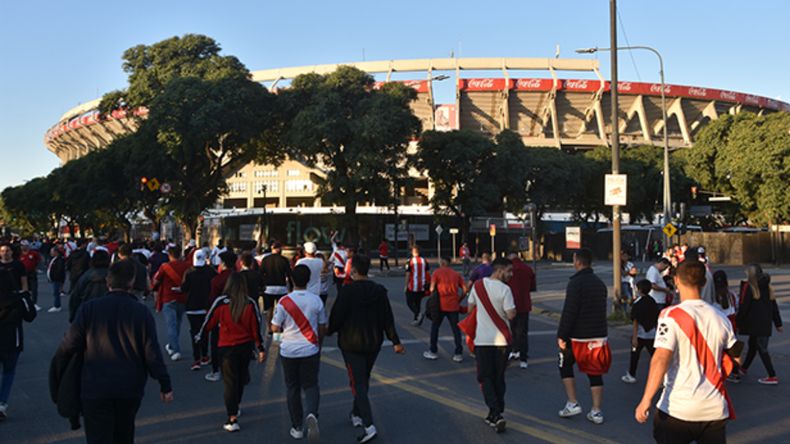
616, 245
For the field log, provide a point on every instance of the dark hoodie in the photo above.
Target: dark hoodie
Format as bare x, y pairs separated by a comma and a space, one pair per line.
14, 308
197, 286
91, 285
362, 316
755, 316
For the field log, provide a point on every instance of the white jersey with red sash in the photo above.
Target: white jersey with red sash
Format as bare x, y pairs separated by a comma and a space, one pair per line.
698, 335
491, 299
298, 315
338, 259
417, 268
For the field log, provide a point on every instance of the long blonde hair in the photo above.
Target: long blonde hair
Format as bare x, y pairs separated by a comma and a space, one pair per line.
754, 274
236, 289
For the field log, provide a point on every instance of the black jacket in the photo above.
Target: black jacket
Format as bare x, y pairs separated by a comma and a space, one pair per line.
14, 308
254, 282
276, 270
197, 287
65, 374
91, 285
77, 264
584, 312
56, 270
361, 316
756, 316
117, 336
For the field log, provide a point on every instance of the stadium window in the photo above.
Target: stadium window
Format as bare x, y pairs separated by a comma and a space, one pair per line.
298, 185
293, 173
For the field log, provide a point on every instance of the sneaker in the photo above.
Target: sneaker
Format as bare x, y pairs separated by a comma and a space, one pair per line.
38, 307
195, 366
205, 360
514, 356
415, 322
3, 411
628, 379
430, 355
735, 379
370, 433
55, 310
238, 413
175, 356
770, 380
212, 376
500, 424
168, 349
356, 421
296, 433
311, 422
490, 420
420, 318
231, 427
523, 365
570, 410
458, 358
595, 416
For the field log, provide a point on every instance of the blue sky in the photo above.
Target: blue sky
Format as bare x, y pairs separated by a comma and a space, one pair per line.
59, 54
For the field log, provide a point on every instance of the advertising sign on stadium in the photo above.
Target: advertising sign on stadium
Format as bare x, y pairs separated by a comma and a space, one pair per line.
533, 84
483, 84
445, 118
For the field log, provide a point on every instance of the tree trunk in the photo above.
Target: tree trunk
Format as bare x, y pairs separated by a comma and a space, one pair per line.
351, 224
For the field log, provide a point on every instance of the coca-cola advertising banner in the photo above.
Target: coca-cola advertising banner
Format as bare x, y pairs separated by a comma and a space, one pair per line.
421, 86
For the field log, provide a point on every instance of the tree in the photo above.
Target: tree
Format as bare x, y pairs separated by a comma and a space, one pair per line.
356, 134
25, 206
509, 171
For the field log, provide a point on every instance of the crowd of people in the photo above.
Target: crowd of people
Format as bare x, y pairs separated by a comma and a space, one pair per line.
683, 313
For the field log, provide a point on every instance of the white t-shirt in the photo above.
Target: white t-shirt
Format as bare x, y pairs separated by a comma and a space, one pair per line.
294, 344
708, 292
315, 265
689, 395
501, 299
654, 276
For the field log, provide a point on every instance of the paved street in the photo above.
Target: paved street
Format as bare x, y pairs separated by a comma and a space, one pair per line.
414, 400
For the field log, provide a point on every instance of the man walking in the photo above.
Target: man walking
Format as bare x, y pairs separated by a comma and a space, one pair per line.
142, 285
117, 336
416, 280
361, 316
77, 261
446, 282
30, 258
582, 336
384, 254
695, 349
302, 319
655, 274
338, 259
315, 265
521, 284
466, 258
170, 299
495, 307
276, 272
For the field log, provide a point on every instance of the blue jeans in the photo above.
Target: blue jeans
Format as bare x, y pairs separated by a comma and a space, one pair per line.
8, 360
57, 287
174, 313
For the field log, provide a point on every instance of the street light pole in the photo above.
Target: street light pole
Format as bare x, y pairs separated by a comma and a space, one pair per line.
617, 268
667, 206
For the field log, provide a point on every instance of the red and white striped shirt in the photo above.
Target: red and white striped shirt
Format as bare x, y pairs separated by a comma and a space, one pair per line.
339, 258
417, 269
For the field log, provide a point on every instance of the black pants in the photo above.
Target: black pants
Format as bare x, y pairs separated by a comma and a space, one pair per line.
216, 356
235, 374
520, 328
669, 430
110, 421
566, 361
359, 366
413, 301
452, 318
491, 364
199, 349
759, 344
301, 374
338, 283
382, 262
32, 285
635, 352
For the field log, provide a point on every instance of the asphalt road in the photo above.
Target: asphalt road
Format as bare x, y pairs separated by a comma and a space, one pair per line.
414, 400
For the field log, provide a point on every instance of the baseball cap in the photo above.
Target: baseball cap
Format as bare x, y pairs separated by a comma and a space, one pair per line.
701, 250
276, 245
310, 248
199, 258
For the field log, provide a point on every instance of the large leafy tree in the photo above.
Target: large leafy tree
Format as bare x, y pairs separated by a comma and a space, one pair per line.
356, 134
26, 206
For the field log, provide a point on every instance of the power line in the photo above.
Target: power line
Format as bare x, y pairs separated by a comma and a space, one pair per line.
628, 43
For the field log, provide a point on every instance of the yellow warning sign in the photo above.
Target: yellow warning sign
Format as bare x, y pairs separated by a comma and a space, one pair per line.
670, 229
153, 184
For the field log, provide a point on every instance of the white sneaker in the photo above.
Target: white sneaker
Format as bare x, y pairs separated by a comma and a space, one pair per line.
570, 410
38, 308
175, 356
212, 376
238, 413
514, 355
430, 355
524, 365
54, 310
415, 322
628, 379
595, 416
3, 411
356, 421
168, 349
311, 423
370, 433
231, 427
458, 358
296, 433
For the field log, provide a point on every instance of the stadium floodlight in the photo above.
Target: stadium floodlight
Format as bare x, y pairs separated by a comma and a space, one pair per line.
439, 78
586, 50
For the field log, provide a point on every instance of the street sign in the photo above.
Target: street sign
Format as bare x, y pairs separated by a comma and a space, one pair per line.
615, 189
670, 229
453, 230
165, 188
573, 238
439, 230
152, 184
492, 230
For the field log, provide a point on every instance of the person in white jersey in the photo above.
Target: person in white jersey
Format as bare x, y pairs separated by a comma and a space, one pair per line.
695, 349
302, 319
655, 276
315, 265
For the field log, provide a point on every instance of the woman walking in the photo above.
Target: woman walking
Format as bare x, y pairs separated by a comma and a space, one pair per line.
755, 316
239, 331
15, 306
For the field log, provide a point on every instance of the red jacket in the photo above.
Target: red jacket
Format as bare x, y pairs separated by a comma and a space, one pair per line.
218, 284
169, 276
521, 284
30, 260
231, 333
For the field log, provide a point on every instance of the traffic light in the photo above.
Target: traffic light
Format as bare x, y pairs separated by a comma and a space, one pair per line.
143, 180
694, 192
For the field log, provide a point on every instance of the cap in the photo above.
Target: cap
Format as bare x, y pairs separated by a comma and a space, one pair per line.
199, 258
191, 243
24, 243
310, 248
276, 245
701, 250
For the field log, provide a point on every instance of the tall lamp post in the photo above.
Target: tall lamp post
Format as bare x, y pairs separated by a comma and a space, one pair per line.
667, 194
